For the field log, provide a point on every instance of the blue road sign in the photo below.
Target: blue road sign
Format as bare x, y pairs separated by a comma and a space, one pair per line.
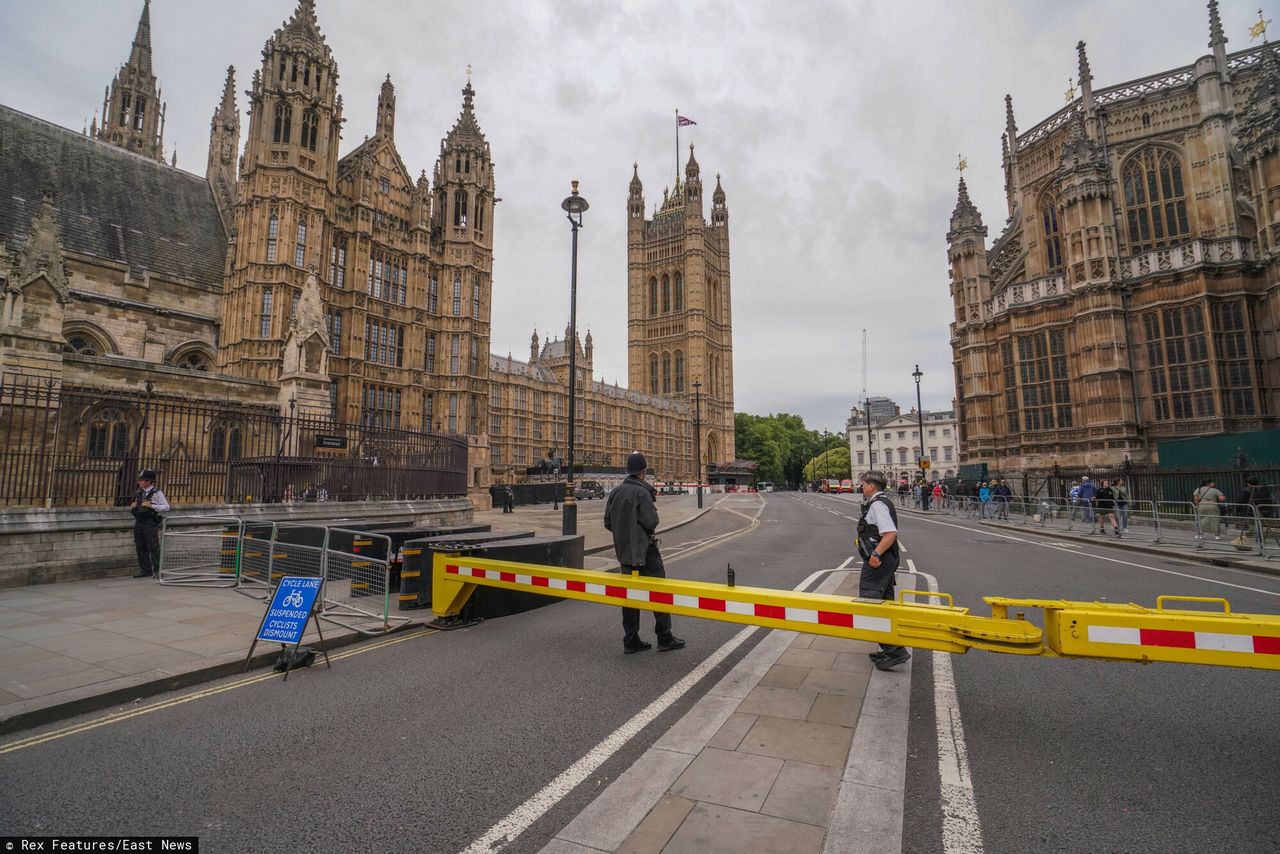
289, 611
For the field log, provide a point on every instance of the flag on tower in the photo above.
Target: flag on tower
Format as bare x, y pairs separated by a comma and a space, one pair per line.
683, 122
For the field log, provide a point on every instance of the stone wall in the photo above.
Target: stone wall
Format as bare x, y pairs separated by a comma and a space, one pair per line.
45, 546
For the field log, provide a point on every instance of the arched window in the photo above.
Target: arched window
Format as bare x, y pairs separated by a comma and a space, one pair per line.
653, 373
273, 235
139, 109
81, 345
679, 371
653, 297
193, 360
679, 292
460, 208
1155, 199
1052, 234
108, 434
300, 245
309, 123
666, 373
666, 295
457, 296
479, 212
226, 443
283, 128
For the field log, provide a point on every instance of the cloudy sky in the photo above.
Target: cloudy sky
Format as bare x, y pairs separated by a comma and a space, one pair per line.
836, 127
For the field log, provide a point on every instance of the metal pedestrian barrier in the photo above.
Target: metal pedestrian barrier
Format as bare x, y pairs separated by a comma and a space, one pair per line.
256, 543
357, 581
1090, 630
203, 554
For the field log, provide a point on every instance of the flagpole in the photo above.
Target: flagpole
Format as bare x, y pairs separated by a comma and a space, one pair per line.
677, 146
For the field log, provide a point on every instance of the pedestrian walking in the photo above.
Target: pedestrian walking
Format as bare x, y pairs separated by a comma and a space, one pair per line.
984, 499
1074, 496
1121, 491
1106, 505
508, 500
1088, 491
1002, 494
877, 543
631, 515
1207, 500
148, 508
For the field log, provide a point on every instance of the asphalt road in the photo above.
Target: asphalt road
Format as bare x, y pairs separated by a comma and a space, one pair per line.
1093, 756
422, 744
425, 742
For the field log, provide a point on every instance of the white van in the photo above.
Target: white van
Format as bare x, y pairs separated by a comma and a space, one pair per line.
764, 486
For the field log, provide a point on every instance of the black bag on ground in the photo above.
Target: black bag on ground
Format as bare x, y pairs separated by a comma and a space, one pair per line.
292, 659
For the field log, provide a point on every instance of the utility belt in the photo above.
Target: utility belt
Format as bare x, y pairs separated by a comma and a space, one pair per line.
868, 538
147, 514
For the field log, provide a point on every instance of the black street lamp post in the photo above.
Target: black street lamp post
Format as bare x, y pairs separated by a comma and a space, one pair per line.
697, 437
573, 206
924, 493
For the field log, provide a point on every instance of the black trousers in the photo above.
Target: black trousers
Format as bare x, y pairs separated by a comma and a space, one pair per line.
878, 583
631, 616
146, 538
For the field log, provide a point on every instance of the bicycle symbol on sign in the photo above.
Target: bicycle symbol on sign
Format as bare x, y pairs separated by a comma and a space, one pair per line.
293, 600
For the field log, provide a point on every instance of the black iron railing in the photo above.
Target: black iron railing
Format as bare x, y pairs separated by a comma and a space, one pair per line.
64, 446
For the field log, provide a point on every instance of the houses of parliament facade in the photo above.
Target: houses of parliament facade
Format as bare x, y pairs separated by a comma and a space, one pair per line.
1133, 296
293, 280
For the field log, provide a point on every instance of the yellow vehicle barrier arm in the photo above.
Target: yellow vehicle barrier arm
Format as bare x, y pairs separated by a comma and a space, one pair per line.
941, 627
1072, 629
1135, 633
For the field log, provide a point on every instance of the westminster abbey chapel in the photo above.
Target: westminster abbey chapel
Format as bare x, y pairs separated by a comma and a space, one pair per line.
1133, 295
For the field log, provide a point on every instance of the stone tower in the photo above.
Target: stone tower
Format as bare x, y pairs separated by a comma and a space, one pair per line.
462, 229
285, 193
132, 114
679, 316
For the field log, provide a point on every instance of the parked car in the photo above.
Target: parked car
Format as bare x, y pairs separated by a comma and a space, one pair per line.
588, 489
672, 489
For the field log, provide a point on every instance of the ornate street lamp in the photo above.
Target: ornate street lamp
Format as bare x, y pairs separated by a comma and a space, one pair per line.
697, 437
574, 206
924, 493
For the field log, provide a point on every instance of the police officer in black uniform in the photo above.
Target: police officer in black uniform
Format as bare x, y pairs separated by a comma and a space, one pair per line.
147, 507
878, 546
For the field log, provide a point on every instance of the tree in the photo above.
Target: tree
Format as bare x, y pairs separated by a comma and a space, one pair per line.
781, 445
831, 463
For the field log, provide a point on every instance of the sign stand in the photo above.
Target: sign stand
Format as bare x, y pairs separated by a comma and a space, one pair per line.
286, 619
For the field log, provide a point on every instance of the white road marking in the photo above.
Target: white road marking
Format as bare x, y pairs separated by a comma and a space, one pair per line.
522, 817
961, 830
1109, 559
911, 564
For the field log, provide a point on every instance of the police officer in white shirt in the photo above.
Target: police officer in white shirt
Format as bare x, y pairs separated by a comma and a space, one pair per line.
878, 546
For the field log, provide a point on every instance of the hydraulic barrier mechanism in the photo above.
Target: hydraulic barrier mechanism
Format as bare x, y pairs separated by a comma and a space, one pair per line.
1072, 629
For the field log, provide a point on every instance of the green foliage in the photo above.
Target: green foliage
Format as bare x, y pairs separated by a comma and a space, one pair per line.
832, 463
783, 447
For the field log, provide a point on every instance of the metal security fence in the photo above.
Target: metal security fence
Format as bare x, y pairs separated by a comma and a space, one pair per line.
70, 446
357, 581
206, 554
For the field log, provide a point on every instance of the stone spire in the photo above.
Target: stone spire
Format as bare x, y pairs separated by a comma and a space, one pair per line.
387, 109
132, 114
1086, 84
719, 212
41, 254
140, 55
1216, 36
533, 347
1010, 126
224, 145
466, 129
965, 217
635, 199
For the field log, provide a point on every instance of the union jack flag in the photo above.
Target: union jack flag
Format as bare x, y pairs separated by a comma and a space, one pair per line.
681, 121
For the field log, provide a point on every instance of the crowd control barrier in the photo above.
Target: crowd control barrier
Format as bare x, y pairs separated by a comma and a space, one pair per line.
1072, 629
357, 581
256, 543
206, 554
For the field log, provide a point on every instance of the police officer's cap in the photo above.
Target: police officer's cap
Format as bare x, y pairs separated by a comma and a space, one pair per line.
147, 474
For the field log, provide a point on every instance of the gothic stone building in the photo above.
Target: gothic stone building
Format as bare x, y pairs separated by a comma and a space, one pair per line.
680, 333
292, 280
1132, 295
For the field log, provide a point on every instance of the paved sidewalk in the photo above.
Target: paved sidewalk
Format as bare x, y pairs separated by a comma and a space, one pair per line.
800, 748
78, 646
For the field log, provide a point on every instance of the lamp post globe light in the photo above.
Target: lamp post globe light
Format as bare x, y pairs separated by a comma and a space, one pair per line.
697, 437
924, 500
574, 205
